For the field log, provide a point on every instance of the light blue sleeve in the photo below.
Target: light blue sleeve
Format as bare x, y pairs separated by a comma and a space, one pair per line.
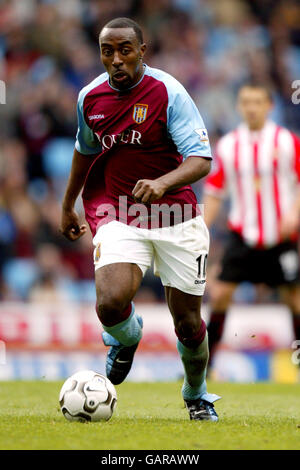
185, 124
86, 141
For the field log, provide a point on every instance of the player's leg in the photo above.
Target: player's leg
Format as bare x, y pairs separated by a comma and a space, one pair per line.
290, 295
121, 258
180, 260
192, 345
116, 285
285, 273
237, 265
192, 341
221, 293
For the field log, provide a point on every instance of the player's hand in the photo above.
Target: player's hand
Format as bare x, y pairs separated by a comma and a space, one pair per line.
70, 226
289, 224
147, 191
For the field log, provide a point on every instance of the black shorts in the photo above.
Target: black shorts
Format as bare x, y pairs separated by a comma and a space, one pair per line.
275, 266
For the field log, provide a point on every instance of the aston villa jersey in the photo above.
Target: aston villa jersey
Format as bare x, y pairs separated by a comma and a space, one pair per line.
143, 132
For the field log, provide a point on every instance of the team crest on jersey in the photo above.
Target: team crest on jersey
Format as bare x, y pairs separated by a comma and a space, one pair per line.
140, 113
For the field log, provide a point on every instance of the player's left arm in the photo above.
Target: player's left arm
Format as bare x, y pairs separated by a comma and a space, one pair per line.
186, 129
290, 221
191, 170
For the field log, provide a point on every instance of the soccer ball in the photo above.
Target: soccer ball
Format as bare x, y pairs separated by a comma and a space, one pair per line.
87, 396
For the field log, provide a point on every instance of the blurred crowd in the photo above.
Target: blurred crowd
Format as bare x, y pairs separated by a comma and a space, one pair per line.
49, 51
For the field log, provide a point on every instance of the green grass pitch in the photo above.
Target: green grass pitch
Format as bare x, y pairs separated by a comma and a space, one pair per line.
151, 416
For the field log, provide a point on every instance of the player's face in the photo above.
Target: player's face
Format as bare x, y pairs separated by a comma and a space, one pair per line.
121, 54
254, 106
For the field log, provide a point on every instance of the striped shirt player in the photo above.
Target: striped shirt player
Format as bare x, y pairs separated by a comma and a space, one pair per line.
140, 144
258, 170
260, 173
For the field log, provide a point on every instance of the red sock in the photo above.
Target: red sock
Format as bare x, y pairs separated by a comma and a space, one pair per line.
194, 341
124, 315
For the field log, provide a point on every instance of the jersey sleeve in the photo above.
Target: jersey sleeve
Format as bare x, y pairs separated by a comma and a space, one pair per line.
86, 141
185, 124
215, 182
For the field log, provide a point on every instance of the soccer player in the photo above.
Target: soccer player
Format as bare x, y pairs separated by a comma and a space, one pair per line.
258, 169
140, 144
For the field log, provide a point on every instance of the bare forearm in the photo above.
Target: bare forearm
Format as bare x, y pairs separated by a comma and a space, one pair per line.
212, 206
190, 171
79, 169
290, 221
70, 225
296, 203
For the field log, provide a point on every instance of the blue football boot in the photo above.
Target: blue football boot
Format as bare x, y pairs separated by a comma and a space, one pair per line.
119, 357
201, 410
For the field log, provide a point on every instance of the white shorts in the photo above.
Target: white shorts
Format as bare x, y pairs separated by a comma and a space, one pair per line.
179, 252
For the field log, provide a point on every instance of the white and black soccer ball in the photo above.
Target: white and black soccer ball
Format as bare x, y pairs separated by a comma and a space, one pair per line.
87, 396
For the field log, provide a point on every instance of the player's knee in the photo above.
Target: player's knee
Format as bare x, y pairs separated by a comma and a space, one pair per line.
187, 328
220, 300
220, 305
110, 309
191, 334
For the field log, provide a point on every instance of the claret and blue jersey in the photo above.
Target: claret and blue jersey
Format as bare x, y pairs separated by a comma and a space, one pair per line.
140, 133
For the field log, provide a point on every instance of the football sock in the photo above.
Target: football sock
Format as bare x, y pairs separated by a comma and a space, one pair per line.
215, 330
194, 356
296, 324
127, 332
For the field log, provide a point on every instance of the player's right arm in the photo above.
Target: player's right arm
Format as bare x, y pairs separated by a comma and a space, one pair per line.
214, 191
212, 206
86, 148
70, 226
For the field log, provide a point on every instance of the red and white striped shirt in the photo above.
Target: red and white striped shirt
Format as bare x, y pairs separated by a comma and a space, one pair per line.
260, 173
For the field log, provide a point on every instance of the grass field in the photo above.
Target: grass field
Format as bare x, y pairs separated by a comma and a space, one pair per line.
151, 416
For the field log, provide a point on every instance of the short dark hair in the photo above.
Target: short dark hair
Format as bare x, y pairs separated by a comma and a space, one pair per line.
126, 23
259, 86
